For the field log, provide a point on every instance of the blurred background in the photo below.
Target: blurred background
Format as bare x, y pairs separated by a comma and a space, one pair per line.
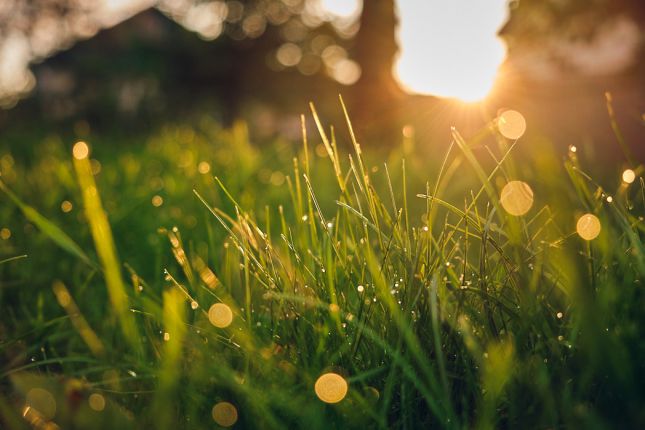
406, 67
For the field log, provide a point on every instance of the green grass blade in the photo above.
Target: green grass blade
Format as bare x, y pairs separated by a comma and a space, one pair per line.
48, 228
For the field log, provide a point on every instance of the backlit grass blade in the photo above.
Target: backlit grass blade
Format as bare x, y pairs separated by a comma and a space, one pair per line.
78, 320
170, 370
17, 257
619, 135
104, 243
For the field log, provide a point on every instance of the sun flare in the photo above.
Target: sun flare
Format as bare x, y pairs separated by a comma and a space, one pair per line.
450, 48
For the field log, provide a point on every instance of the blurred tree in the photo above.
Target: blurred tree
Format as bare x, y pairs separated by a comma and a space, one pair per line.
301, 31
585, 37
563, 55
375, 50
307, 37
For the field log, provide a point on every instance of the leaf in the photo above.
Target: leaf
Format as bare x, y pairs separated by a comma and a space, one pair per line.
48, 228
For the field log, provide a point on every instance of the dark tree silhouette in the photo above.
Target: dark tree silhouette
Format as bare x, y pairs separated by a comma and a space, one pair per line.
375, 48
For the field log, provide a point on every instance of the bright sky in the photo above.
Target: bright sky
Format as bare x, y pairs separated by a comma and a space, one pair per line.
449, 48
342, 8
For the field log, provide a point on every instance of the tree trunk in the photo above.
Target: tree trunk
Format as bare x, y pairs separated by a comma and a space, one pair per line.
376, 92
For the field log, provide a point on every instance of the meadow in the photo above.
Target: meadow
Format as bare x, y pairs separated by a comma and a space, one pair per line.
192, 279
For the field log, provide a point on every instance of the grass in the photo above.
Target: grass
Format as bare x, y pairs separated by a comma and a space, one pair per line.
438, 308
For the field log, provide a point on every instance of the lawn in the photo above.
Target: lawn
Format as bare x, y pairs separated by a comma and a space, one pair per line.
188, 278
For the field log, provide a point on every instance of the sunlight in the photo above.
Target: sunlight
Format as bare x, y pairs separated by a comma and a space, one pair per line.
342, 8
450, 48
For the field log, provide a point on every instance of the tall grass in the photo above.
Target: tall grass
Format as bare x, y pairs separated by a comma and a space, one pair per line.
440, 312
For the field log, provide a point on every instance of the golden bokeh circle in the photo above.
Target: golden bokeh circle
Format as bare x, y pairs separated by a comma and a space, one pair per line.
588, 226
66, 206
629, 176
97, 402
224, 414
42, 401
331, 388
511, 124
80, 150
203, 167
516, 198
372, 394
220, 315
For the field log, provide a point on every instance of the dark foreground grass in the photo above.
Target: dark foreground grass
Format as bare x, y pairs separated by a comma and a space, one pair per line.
438, 308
